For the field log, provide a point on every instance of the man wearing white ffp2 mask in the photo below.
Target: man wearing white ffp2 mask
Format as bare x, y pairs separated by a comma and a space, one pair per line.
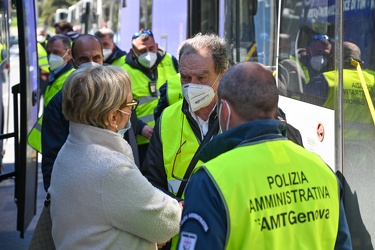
198, 95
149, 68
112, 54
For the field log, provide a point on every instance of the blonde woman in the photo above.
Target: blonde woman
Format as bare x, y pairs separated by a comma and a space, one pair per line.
99, 198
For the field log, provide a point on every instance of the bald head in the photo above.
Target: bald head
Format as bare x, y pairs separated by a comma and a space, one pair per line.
87, 48
251, 90
351, 51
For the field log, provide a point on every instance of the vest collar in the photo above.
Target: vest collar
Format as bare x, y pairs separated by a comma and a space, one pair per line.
251, 132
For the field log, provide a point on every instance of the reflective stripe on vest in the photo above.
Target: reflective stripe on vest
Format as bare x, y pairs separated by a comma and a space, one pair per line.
358, 124
174, 131
35, 136
141, 92
56, 86
287, 197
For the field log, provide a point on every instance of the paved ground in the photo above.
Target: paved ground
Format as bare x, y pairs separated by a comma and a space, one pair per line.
9, 236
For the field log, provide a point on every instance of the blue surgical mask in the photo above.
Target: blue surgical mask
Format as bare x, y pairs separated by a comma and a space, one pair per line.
123, 131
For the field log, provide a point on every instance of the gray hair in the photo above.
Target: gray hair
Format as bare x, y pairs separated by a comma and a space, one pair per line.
213, 44
65, 40
91, 93
103, 32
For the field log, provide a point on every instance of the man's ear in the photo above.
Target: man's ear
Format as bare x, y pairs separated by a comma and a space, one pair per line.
73, 63
224, 109
69, 55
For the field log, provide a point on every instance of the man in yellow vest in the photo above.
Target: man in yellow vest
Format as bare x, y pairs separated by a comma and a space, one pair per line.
149, 68
55, 129
59, 55
191, 122
112, 54
256, 189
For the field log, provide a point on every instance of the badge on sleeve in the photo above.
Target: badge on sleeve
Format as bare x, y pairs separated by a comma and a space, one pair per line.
187, 241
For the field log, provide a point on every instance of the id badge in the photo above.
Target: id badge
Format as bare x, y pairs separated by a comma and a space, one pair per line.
152, 88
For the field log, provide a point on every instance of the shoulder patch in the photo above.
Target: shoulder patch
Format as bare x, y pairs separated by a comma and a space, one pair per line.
196, 217
187, 241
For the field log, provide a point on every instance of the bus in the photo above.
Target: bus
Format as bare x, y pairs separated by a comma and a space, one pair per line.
278, 34
24, 104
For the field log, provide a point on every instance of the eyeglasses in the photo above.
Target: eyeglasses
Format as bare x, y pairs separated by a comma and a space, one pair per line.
142, 31
321, 37
174, 163
133, 104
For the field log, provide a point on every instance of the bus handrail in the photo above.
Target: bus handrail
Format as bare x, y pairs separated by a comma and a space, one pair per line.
356, 64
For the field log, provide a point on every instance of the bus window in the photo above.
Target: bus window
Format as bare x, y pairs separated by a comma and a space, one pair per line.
330, 81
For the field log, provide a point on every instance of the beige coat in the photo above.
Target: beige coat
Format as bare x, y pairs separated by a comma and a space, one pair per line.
100, 200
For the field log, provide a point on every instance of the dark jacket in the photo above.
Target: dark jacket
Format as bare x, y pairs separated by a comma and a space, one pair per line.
116, 53
153, 165
202, 192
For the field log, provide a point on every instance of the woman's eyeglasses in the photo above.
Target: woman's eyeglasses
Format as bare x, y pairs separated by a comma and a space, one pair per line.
133, 104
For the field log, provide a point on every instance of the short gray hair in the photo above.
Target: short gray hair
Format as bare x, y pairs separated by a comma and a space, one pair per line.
90, 93
103, 32
64, 39
215, 45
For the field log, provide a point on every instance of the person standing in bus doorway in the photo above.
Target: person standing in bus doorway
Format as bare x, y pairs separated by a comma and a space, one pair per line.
186, 126
149, 68
65, 28
308, 62
316, 58
112, 54
251, 161
59, 55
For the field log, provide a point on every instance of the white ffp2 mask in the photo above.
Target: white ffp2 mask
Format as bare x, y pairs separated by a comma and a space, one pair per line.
198, 95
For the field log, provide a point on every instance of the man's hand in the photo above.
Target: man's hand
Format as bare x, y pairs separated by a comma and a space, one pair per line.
147, 131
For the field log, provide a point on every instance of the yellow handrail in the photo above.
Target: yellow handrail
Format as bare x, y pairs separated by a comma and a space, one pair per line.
365, 89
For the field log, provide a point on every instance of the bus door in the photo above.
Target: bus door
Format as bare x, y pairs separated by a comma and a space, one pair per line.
25, 111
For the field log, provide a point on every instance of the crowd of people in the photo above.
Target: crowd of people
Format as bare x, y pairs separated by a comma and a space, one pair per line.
141, 150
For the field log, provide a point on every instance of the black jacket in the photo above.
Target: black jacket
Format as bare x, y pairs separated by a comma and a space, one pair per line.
116, 53
153, 165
